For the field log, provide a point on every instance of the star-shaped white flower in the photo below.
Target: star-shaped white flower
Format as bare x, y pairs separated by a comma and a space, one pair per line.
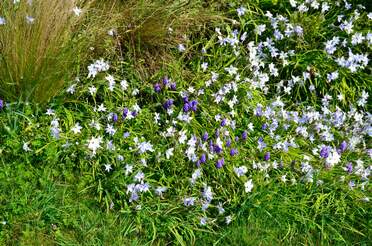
77, 128
108, 167
248, 186
77, 11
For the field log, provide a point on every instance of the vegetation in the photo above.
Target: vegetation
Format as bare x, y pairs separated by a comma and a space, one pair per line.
190, 123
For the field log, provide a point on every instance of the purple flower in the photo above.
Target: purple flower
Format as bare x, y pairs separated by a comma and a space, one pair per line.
185, 99
349, 168
186, 107
219, 163
114, 117
236, 139
198, 162
134, 113
203, 158
228, 143
264, 126
194, 105
223, 122
157, 87
343, 146
1, 104
168, 104
267, 156
217, 149
205, 136
165, 81
244, 135
258, 111
173, 86
126, 134
324, 152
125, 113
217, 133
233, 152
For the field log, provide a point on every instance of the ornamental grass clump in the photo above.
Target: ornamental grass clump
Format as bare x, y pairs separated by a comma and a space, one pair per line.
40, 42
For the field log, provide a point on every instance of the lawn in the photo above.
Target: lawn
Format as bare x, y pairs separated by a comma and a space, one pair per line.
185, 122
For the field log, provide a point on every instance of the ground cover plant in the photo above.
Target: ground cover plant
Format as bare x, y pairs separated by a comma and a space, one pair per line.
252, 126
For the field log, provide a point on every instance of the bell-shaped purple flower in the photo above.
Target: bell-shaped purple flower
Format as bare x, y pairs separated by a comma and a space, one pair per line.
228, 143
233, 152
264, 126
194, 105
267, 156
157, 87
168, 104
125, 113
349, 168
203, 158
205, 136
324, 152
343, 146
223, 122
217, 149
220, 163
244, 135
1, 104
186, 107
173, 86
114, 117
165, 81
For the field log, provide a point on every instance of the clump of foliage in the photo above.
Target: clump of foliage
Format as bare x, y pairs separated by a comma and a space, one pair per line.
211, 139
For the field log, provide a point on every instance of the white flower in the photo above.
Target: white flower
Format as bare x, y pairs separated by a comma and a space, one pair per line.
140, 176
94, 144
77, 11
92, 90
111, 81
169, 153
145, 146
110, 129
248, 186
181, 48
77, 128
241, 11
49, 111
128, 169
71, 89
333, 158
101, 108
2, 21
26, 147
124, 85
240, 171
30, 20
108, 167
